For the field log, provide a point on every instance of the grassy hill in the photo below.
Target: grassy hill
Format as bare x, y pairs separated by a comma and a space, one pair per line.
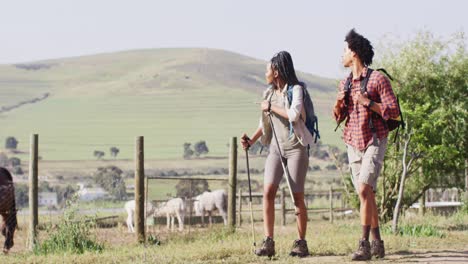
170, 96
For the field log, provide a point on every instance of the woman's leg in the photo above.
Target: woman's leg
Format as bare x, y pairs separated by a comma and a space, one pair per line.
298, 163
269, 194
273, 176
302, 215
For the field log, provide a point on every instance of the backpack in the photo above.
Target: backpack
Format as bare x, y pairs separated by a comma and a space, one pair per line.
391, 124
311, 120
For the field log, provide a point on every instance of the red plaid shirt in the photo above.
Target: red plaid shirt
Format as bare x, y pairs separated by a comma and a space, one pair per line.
357, 132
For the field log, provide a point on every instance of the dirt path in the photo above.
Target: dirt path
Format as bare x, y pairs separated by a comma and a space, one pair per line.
436, 256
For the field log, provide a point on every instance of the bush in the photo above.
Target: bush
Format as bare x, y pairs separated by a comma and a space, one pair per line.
71, 235
415, 231
464, 208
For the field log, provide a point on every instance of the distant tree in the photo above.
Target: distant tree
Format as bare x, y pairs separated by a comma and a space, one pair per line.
99, 154
110, 178
200, 148
14, 161
44, 186
114, 151
17, 170
188, 152
11, 143
185, 189
430, 79
64, 193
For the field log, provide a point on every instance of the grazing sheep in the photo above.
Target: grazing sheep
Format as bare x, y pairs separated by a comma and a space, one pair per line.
171, 209
207, 202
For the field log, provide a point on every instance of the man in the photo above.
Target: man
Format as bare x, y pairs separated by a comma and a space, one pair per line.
365, 133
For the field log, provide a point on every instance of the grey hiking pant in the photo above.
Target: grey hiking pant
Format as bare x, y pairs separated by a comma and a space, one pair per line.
297, 161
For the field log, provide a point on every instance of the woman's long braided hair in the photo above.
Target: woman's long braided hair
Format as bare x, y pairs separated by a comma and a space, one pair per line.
283, 63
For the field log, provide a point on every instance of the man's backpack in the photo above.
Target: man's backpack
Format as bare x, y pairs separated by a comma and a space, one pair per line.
391, 124
311, 120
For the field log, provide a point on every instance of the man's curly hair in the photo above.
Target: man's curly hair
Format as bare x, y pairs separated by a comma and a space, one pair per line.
361, 46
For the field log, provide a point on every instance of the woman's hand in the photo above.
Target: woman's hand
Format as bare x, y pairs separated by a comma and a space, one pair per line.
265, 106
246, 142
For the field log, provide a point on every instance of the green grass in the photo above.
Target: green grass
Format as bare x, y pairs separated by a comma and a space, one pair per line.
218, 245
425, 230
170, 96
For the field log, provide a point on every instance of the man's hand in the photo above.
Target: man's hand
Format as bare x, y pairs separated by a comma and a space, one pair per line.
362, 99
340, 97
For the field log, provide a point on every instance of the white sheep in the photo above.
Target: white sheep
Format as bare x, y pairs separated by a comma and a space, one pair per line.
130, 208
207, 202
171, 209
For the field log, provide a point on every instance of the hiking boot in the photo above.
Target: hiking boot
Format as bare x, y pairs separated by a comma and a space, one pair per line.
267, 248
363, 252
299, 249
377, 248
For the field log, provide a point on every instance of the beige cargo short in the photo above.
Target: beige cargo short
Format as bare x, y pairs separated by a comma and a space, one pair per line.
366, 165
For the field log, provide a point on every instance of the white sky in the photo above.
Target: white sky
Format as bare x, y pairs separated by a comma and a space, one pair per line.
313, 31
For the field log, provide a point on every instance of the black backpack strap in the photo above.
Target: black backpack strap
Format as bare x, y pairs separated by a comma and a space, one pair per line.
364, 90
366, 80
386, 73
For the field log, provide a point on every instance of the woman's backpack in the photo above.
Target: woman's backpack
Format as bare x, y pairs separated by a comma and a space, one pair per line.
311, 120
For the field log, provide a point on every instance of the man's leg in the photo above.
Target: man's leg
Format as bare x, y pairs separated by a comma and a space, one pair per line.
372, 161
356, 161
375, 230
365, 195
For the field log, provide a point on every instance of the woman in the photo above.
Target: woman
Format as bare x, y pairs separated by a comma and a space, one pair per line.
293, 139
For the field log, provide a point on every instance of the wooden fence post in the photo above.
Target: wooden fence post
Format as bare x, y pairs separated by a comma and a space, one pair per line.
33, 194
139, 190
232, 184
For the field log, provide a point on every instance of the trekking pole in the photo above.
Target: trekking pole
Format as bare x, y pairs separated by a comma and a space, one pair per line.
250, 193
285, 166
